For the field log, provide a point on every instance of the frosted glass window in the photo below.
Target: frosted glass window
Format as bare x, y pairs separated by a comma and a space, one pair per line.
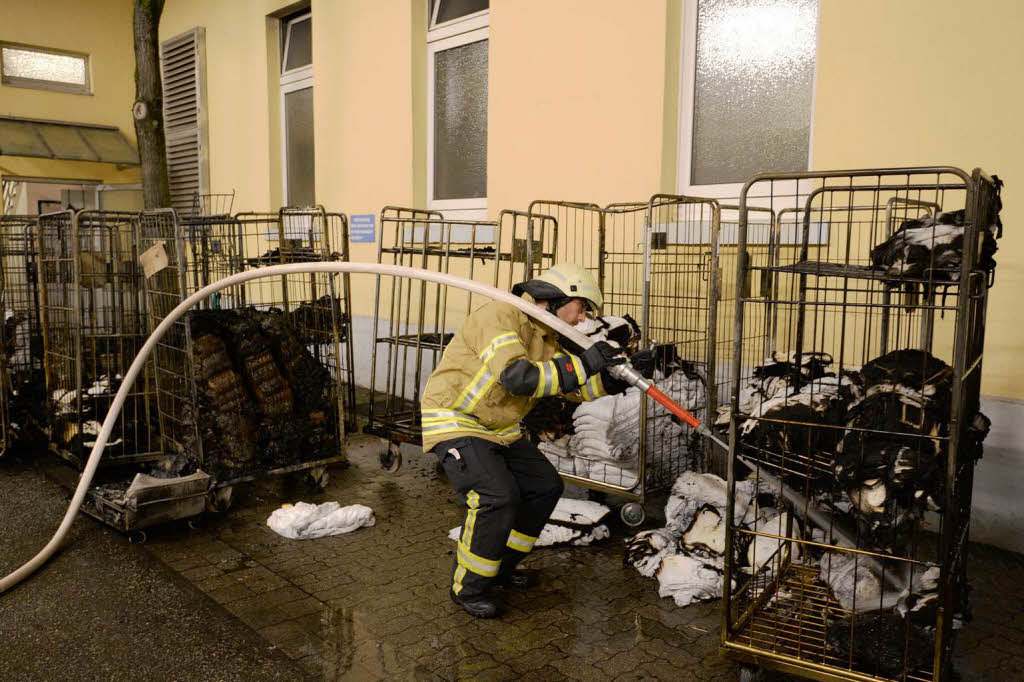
446, 10
24, 66
460, 122
299, 44
298, 109
752, 88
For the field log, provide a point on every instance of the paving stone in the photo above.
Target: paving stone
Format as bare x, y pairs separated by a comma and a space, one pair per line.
263, 616
231, 593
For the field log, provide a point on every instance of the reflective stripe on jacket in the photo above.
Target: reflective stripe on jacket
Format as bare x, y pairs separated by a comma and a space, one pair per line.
464, 395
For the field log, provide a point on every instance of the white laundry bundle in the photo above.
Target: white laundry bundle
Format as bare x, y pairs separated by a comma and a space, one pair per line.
608, 429
304, 521
688, 579
606, 440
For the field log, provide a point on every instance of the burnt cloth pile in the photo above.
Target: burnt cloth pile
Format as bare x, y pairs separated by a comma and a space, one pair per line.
931, 247
315, 321
891, 460
787, 403
264, 400
873, 441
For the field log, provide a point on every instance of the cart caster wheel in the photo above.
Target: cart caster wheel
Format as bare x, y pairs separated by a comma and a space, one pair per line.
391, 458
318, 477
137, 537
219, 500
751, 673
194, 524
632, 514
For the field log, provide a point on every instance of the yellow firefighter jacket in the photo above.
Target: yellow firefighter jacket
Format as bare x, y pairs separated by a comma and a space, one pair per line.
464, 395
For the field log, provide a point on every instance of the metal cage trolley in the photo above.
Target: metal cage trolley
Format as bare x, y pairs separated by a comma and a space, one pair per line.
414, 321
93, 324
655, 262
855, 423
257, 380
22, 339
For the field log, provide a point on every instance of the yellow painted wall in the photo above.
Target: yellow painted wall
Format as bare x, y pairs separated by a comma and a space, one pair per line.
363, 61
576, 101
103, 30
238, 72
933, 82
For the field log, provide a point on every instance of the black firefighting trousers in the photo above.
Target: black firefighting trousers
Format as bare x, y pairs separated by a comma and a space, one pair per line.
509, 491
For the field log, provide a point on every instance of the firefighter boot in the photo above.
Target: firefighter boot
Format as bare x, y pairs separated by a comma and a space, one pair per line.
478, 606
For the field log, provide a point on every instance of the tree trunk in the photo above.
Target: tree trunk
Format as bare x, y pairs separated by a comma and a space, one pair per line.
148, 110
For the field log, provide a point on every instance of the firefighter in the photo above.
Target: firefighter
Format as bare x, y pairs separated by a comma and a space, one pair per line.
499, 363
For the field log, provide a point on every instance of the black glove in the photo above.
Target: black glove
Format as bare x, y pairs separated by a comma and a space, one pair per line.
601, 355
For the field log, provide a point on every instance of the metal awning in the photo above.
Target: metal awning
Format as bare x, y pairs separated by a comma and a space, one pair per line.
61, 140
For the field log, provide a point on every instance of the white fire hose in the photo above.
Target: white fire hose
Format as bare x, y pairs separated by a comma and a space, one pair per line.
622, 372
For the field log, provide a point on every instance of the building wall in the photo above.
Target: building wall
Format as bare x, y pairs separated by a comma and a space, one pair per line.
103, 30
576, 101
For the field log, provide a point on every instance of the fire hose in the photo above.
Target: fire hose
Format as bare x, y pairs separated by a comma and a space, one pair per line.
623, 372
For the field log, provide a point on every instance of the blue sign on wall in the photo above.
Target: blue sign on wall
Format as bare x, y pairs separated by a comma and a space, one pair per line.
362, 228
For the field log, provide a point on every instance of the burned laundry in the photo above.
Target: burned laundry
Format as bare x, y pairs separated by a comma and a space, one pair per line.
931, 247
880, 643
264, 400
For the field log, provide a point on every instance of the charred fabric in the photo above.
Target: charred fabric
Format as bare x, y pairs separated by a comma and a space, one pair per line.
931, 248
264, 399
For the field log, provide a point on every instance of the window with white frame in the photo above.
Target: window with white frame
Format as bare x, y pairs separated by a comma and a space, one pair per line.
297, 109
747, 91
46, 69
457, 43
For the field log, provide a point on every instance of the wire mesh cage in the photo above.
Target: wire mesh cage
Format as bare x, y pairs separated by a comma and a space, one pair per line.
93, 324
21, 339
414, 321
855, 422
655, 262
257, 378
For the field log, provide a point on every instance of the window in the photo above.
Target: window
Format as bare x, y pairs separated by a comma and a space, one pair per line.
45, 69
183, 69
297, 109
457, 44
747, 89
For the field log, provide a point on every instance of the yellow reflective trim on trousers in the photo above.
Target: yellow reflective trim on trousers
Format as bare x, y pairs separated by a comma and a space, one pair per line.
520, 541
460, 573
473, 502
500, 341
477, 564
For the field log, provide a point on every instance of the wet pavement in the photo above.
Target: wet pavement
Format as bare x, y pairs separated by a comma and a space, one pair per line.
374, 604
104, 609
